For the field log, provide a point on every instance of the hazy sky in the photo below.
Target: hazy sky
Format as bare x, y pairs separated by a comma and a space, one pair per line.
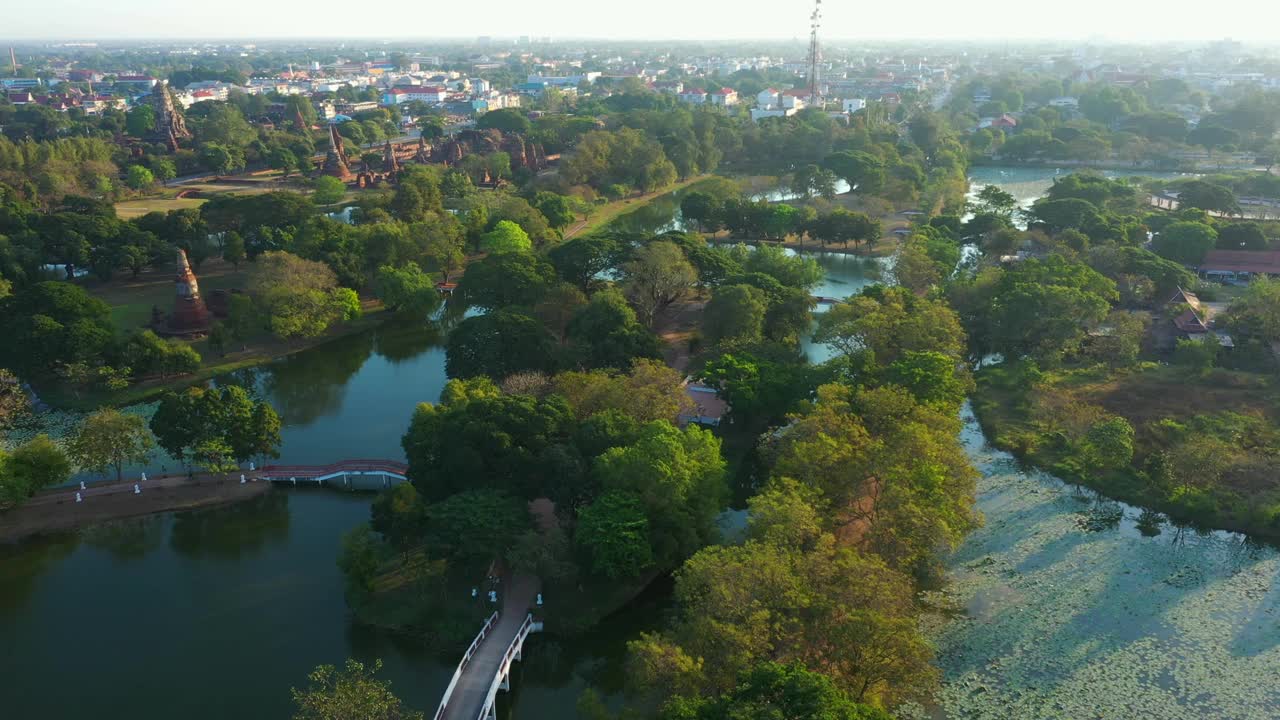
655, 20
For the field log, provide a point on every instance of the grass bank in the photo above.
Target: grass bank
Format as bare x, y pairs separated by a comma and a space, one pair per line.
607, 213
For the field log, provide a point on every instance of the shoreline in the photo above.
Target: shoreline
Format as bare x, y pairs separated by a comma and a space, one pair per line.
990, 430
56, 510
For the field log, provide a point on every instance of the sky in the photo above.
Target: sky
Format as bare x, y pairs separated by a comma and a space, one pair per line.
1253, 21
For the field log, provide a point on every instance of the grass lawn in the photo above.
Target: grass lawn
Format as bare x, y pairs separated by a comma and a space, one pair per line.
131, 300
606, 213
130, 209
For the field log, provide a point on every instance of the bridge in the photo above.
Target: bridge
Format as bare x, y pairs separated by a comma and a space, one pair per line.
485, 667
357, 474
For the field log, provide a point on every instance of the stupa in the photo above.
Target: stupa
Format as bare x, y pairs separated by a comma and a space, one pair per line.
189, 316
170, 125
335, 162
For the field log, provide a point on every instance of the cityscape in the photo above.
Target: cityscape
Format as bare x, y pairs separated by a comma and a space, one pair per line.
856, 371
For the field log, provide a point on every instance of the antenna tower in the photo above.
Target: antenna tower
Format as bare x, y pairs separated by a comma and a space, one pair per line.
815, 54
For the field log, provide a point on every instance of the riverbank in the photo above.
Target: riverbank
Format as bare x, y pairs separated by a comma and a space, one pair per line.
374, 315
57, 510
1214, 433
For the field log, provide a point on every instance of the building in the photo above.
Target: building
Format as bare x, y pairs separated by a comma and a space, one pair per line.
1240, 265
724, 97
1193, 320
427, 94
20, 83
145, 82
853, 105
708, 407
693, 96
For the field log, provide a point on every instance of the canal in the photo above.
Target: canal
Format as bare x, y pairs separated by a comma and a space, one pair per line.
1058, 607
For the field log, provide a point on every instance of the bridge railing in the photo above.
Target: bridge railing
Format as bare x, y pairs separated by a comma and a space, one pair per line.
505, 665
462, 664
345, 465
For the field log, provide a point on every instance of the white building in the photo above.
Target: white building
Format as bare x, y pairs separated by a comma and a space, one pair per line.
853, 105
723, 97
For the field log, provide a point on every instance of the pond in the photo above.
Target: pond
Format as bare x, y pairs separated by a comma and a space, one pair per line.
1061, 607
1028, 184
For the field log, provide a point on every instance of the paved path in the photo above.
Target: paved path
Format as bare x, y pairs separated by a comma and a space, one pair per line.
473, 687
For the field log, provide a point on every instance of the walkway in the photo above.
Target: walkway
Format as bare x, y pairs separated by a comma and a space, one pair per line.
480, 675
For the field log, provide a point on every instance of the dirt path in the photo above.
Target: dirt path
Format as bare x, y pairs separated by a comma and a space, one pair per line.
57, 510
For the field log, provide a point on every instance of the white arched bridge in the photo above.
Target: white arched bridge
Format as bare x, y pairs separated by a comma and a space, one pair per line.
485, 667
354, 474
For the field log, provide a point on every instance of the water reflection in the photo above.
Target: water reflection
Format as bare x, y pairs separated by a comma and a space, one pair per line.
401, 342
233, 532
127, 540
309, 385
22, 565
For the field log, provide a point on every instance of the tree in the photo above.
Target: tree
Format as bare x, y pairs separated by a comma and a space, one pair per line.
14, 402
658, 276
399, 515
864, 172
164, 169
111, 439
36, 464
506, 279
557, 209
259, 437
606, 334
614, 533
507, 120
678, 475
221, 159
476, 526
443, 254
477, 437
735, 313
889, 322
359, 559
139, 178
1256, 313
1242, 236
1109, 444
582, 259
1198, 356
994, 200
407, 289
649, 391
506, 237
140, 120
1041, 308
52, 323
775, 691
326, 190
930, 376
1207, 196
349, 693
498, 344
1120, 341
298, 298
233, 250
1185, 242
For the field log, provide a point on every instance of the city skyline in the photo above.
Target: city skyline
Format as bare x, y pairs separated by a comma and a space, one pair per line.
714, 21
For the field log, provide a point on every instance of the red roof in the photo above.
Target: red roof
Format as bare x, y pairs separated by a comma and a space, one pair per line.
725, 91
1250, 261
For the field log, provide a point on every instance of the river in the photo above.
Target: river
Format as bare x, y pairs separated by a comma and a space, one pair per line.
1058, 607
